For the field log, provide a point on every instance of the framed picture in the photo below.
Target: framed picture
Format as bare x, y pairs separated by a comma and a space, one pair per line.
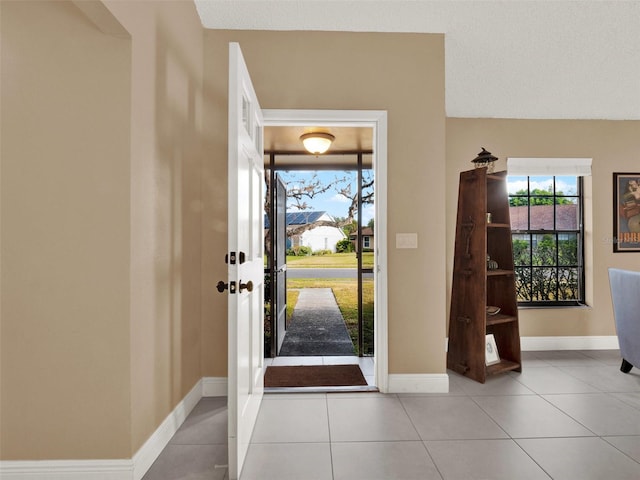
626, 212
491, 350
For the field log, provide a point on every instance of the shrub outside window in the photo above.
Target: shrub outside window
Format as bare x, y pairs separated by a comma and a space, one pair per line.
546, 225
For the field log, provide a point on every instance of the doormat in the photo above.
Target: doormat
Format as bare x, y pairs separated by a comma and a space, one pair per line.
314, 376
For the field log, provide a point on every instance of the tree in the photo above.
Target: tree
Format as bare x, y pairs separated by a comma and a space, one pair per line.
538, 196
301, 191
546, 271
344, 246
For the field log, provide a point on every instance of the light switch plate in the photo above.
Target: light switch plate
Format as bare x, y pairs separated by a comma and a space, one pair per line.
406, 240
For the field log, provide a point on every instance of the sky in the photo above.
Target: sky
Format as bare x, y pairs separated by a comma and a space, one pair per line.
331, 201
337, 205
566, 185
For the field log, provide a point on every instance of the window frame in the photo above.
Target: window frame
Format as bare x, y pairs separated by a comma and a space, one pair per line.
531, 233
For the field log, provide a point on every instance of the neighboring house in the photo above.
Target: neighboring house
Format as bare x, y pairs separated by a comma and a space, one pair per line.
307, 229
319, 237
367, 239
542, 217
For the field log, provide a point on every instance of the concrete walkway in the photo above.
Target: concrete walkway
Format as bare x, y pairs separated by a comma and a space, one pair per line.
317, 326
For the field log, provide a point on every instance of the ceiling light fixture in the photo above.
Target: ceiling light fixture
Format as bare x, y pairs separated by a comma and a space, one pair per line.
317, 142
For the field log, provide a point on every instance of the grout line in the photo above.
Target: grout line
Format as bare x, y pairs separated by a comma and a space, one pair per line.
326, 403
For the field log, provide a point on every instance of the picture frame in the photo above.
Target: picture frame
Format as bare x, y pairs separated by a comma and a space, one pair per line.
491, 350
626, 212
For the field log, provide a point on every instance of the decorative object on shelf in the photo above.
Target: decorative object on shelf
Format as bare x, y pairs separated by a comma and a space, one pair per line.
491, 264
484, 159
317, 142
626, 212
488, 217
491, 351
492, 310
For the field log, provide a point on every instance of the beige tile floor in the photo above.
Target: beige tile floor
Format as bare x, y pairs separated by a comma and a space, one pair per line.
570, 415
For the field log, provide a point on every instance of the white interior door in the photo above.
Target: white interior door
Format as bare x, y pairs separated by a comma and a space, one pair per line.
246, 267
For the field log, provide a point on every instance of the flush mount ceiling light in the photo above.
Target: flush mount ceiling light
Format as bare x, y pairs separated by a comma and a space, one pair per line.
317, 142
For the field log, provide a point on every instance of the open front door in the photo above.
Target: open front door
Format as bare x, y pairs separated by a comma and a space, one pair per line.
245, 259
279, 250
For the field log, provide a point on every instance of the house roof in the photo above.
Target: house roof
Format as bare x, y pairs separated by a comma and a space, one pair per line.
302, 218
542, 217
366, 232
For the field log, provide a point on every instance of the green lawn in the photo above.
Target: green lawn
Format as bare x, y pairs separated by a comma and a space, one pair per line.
332, 260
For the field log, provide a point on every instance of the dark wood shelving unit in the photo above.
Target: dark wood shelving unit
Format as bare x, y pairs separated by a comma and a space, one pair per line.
477, 284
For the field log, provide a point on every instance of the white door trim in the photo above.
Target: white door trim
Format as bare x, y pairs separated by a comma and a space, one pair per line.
376, 119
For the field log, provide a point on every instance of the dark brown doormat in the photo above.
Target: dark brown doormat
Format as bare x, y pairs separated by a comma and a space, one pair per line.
314, 376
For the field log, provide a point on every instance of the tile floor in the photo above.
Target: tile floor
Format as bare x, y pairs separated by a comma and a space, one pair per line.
569, 415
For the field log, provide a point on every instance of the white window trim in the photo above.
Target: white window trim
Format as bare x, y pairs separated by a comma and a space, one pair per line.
580, 167
558, 166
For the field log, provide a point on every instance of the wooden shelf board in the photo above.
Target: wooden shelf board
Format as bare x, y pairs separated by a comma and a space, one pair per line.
498, 225
503, 366
500, 318
494, 273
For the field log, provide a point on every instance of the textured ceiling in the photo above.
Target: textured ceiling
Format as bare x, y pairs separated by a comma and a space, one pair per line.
503, 59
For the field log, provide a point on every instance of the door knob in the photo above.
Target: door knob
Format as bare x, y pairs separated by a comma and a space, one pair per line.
221, 286
248, 286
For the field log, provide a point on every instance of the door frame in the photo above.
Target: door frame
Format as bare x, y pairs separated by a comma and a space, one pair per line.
377, 120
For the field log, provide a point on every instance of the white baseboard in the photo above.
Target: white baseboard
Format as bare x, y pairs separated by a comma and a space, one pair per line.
214, 386
67, 470
603, 342
126, 469
609, 342
418, 383
151, 449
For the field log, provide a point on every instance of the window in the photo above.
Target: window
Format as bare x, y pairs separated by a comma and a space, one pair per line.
365, 242
546, 213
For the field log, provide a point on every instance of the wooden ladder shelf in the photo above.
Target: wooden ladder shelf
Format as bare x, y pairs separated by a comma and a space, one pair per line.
483, 278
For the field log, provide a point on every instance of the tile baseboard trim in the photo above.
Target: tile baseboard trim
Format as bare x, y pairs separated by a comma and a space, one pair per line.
605, 342
125, 469
418, 383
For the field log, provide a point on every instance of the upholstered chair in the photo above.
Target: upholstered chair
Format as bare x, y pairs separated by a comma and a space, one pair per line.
625, 293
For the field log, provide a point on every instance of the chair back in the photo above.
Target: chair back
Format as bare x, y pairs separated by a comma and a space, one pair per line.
625, 294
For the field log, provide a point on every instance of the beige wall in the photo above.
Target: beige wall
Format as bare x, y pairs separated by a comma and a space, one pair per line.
614, 147
400, 73
166, 156
65, 235
101, 213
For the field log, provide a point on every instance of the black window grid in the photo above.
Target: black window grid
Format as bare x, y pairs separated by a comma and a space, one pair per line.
526, 275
